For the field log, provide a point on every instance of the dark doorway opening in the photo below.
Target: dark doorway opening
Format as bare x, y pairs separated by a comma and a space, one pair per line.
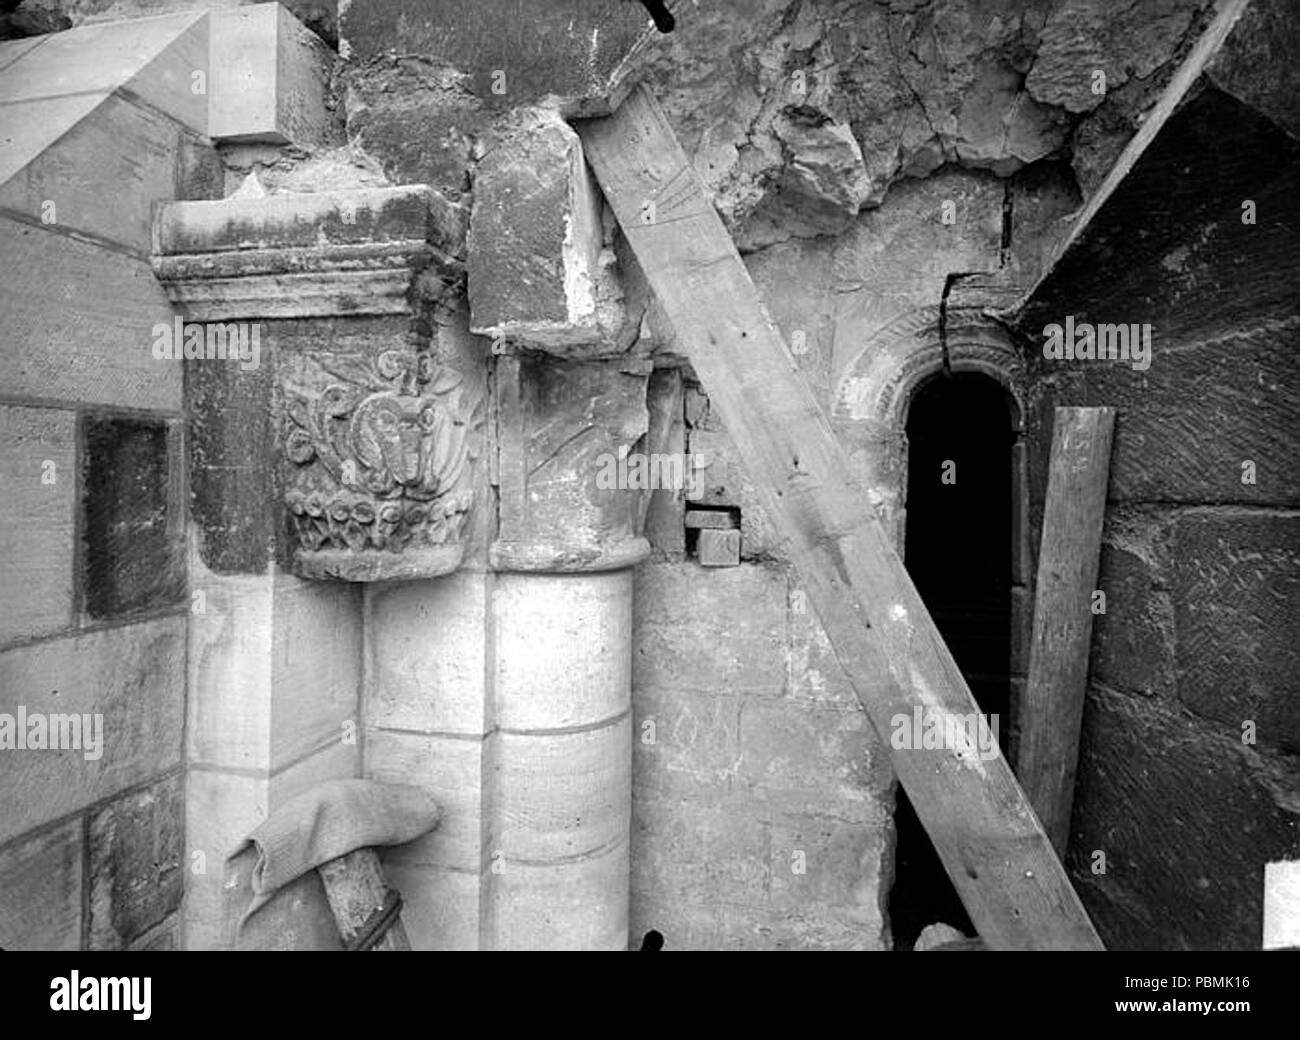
959, 552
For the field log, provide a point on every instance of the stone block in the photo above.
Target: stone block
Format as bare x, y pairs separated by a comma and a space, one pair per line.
826, 879
269, 80
316, 668
153, 59
709, 519
354, 216
230, 638
275, 670
133, 152
811, 760
685, 746
564, 429
427, 655
38, 472
1133, 645
441, 909
550, 629
1236, 599
40, 889
535, 239
718, 548
571, 49
712, 631
701, 855
562, 797
454, 770
58, 293
136, 867
132, 675
1155, 787
1245, 389
221, 809
131, 524
557, 907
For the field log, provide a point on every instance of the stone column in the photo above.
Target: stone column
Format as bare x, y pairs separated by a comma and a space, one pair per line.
332, 443
562, 611
570, 406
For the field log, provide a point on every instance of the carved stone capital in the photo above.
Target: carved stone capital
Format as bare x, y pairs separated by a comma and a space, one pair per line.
381, 447
377, 439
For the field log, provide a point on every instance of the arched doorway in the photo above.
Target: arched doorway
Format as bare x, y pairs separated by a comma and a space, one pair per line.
962, 484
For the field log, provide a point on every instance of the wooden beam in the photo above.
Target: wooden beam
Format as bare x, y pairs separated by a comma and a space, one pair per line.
1051, 710
990, 841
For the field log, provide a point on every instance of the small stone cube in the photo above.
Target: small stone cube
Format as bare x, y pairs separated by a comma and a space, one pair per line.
719, 548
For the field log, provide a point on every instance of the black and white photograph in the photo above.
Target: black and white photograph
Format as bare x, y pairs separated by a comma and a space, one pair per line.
663, 476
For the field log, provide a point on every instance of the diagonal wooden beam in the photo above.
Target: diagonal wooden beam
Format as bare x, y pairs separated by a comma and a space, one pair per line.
990, 841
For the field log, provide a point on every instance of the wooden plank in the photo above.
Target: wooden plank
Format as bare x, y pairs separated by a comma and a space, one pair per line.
1051, 710
983, 827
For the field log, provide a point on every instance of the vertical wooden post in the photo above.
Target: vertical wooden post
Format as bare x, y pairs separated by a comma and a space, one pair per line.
1051, 712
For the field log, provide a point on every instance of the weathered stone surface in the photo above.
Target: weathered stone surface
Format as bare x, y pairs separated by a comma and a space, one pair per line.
722, 479
131, 516
134, 676
56, 291
135, 150
381, 448
1187, 816
427, 652
829, 296
710, 630
1235, 585
1254, 63
269, 79
665, 510
547, 906
38, 472
136, 846
745, 753
441, 909
452, 769
564, 429
342, 217
547, 628
796, 114
716, 548
535, 238
354, 251
274, 670
153, 60
570, 48
1133, 642
1124, 41
1245, 389
1158, 247
229, 408
40, 890
562, 798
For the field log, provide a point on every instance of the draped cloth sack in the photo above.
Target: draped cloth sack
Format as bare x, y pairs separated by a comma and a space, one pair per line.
272, 896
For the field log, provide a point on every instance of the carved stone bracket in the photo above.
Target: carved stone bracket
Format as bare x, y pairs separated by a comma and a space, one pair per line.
378, 439
382, 447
